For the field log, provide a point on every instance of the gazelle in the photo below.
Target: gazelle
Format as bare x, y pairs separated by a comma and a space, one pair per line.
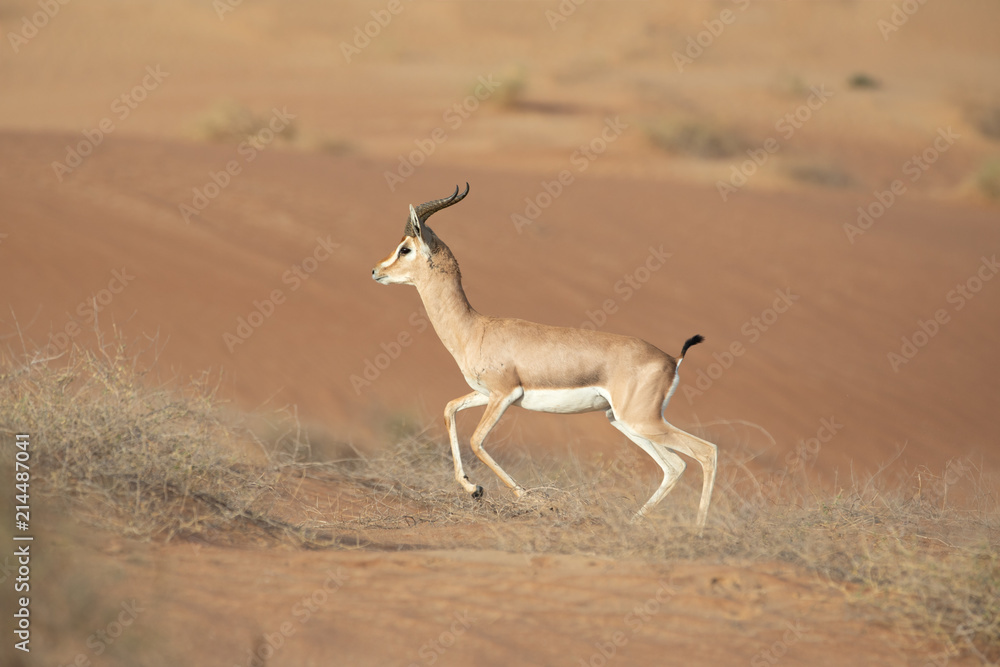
545, 368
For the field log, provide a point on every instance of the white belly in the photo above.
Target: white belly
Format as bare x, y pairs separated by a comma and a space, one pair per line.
579, 399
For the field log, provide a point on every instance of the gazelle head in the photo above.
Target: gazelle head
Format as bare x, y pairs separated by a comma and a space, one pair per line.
420, 252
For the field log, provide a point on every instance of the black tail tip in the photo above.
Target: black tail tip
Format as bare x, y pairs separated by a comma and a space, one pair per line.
693, 340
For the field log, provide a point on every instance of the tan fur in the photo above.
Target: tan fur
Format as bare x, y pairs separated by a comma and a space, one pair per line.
503, 358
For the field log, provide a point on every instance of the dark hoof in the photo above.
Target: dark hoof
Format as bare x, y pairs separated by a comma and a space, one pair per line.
478, 493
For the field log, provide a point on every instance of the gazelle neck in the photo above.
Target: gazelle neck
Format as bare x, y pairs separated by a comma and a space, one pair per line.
453, 317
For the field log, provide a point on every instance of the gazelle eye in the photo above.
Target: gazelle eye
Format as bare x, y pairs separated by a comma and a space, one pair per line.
404, 251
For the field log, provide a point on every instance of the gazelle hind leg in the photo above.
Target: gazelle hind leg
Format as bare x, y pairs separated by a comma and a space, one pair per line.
671, 464
673, 467
702, 451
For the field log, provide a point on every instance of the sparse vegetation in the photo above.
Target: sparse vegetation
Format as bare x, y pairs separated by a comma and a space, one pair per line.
513, 84
152, 463
792, 85
898, 549
820, 173
697, 138
863, 81
337, 147
232, 122
988, 179
142, 461
505, 90
986, 119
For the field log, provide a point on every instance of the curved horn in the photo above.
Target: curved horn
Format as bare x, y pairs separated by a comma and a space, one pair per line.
427, 209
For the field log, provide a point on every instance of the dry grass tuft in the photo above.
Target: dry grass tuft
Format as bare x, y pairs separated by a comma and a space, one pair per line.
698, 138
863, 81
819, 173
986, 119
905, 550
234, 123
143, 461
513, 86
921, 550
988, 179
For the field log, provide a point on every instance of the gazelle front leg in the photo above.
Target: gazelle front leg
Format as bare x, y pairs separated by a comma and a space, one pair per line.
495, 408
472, 400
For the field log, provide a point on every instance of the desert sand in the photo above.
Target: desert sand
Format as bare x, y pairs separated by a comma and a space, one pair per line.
809, 189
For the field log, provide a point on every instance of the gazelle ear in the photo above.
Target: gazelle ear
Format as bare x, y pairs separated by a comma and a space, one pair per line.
418, 230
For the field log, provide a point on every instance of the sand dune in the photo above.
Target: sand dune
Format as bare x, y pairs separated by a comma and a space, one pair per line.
449, 607
817, 323
805, 184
